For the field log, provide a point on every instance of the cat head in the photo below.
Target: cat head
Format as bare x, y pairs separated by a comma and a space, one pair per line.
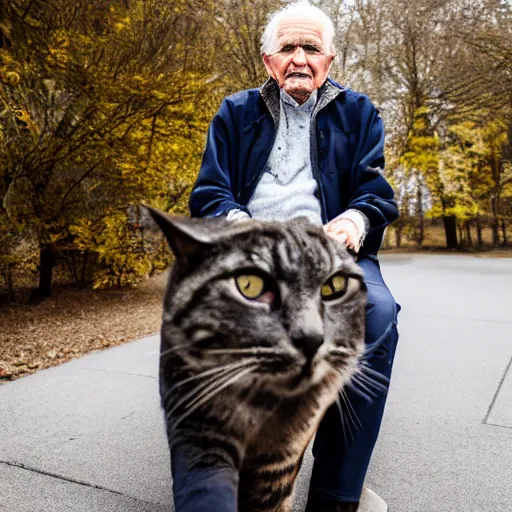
281, 305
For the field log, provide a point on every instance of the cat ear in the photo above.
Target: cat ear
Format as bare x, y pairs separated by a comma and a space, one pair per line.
185, 236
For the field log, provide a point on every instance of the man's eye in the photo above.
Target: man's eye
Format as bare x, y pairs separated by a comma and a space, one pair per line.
311, 49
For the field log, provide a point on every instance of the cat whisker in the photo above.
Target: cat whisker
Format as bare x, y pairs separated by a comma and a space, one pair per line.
206, 373
371, 382
221, 380
218, 371
350, 410
368, 383
256, 351
218, 384
209, 384
347, 423
368, 372
343, 420
187, 396
206, 396
351, 429
368, 398
358, 386
174, 349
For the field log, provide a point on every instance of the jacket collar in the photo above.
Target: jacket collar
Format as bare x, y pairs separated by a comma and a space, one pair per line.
270, 94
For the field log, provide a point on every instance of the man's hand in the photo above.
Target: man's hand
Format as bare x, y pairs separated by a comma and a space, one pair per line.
345, 231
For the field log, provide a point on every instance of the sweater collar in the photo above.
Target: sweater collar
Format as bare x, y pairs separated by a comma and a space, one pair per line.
270, 93
306, 106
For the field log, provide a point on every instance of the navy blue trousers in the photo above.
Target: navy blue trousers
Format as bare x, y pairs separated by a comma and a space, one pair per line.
341, 457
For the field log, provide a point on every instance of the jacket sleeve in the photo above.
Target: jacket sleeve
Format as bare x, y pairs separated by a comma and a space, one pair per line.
212, 194
373, 195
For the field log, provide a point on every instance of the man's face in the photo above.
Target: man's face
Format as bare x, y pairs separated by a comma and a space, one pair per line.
299, 63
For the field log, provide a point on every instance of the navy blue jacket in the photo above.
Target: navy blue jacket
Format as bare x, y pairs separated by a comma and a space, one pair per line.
347, 156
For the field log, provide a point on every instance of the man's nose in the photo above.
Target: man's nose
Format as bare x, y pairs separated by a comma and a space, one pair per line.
299, 56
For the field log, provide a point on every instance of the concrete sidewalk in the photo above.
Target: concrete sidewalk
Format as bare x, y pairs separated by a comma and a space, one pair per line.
88, 435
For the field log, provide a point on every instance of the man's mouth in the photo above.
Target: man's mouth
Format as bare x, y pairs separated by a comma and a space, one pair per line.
296, 74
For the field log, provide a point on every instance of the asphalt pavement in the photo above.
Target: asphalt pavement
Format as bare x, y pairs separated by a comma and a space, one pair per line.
89, 435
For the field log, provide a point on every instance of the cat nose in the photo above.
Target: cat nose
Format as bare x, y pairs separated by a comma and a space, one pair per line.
308, 343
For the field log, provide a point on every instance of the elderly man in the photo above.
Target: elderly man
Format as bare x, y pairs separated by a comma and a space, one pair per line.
303, 145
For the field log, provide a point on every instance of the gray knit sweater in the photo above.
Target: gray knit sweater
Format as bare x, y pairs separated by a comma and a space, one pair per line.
287, 188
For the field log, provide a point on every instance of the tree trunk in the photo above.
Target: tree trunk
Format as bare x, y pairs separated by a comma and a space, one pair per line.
385, 240
479, 237
504, 232
421, 217
462, 240
83, 278
398, 237
10, 283
495, 222
47, 261
71, 261
450, 229
468, 234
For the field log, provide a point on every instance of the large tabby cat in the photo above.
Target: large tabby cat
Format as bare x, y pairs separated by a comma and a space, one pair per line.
263, 324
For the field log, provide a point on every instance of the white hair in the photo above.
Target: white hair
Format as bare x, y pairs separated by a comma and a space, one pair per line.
297, 10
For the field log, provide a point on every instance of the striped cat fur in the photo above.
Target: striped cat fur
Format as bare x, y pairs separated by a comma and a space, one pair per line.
263, 325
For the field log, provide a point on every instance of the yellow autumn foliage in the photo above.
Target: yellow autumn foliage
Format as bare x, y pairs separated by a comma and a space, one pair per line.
102, 108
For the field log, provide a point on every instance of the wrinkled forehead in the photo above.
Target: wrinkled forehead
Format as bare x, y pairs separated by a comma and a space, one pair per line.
298, 30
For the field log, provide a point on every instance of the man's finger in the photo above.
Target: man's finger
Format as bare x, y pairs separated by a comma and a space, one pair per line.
340, 237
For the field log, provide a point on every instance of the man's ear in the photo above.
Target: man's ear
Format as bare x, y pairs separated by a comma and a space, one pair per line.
185, 236
330, 61
268, 67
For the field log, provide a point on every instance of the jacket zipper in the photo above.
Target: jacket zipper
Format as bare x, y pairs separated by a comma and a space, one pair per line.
313, 152
258, 176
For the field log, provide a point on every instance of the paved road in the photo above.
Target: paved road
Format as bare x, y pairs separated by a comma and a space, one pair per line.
88, 436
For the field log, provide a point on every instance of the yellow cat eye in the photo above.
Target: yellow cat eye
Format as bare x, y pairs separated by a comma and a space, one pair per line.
250, 286
334, 287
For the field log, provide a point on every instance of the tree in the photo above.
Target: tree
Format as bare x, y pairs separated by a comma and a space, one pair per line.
239, 25
478, 74
421, 159
451, 57
86, 88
